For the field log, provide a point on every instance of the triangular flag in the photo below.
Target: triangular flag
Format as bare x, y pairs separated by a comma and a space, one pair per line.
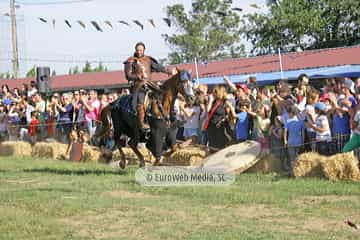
68, 23
221, 13
53, 23
43, 20
254, 6
139, 24
96, 26
109, 23
125, 23
7, 14
152, 22
237, 9
81, 23
168, 22
166, 36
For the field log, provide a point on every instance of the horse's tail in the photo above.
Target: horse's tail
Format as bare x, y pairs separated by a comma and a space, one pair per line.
105, 118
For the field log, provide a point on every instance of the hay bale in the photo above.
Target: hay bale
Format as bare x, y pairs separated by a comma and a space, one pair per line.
308, 165
15, 148
343, 166
131, 157
190, 156
267, 163
49, 150
91, 154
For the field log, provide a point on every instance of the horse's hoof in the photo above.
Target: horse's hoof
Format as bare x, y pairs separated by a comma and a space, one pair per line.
142, 164
122, 164
156, 163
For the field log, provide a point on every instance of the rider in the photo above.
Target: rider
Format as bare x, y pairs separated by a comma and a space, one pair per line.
140, 83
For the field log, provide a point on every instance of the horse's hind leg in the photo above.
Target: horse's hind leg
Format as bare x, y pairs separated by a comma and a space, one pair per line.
122, 163
139, 155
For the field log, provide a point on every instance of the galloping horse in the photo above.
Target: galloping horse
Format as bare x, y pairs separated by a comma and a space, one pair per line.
161, 105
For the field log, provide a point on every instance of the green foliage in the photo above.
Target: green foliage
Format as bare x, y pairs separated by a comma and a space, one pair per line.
6, 75
210, 31
87, 67
31, 72
303, 24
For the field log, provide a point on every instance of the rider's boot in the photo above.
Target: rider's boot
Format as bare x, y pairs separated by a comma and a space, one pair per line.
141, 116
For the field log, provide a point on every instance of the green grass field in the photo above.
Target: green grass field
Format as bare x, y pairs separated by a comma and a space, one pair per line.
48, 199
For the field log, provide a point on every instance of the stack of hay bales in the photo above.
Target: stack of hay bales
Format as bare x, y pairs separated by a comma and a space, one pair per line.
308, 165
267, 163
15, 148
49, 150
190, 156
342, 166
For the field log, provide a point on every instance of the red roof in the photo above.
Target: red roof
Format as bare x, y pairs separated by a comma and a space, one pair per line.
269, 63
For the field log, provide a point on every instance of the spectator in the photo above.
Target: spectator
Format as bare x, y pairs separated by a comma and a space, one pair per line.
218, 119
293, 138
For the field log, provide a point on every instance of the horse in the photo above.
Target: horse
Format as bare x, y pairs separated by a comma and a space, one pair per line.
161, 105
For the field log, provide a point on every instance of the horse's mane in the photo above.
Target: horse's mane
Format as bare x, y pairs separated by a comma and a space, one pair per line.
166, 84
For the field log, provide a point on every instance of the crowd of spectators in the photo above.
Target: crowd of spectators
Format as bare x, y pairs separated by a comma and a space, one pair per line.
286, 119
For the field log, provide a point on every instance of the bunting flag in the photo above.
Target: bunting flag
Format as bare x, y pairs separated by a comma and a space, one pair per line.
53, 23
152, 22
43, 20
237, 9
166, 36
81, 23
109, 23
96, 25
168, 22
221, 13
68, 23
7, 14
139, 24
125, 23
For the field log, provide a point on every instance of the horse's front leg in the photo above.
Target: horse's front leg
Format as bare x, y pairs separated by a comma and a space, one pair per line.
139, 155
122, 163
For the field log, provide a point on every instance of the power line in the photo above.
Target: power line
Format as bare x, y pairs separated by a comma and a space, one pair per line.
52, 3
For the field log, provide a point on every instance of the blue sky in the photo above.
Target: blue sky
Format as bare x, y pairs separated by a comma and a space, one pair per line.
61, 48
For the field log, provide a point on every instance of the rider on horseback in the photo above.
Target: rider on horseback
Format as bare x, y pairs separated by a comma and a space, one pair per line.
141, 82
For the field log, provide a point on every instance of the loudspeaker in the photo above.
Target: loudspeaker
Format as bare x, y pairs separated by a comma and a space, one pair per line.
43, 79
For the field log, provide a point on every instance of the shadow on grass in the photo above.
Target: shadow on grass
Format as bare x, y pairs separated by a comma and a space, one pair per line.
76, 171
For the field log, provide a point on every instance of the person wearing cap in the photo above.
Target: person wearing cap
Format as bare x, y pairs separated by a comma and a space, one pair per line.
322, 129
140, 83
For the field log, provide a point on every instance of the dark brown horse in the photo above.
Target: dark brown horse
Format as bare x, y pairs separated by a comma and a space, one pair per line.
161, 105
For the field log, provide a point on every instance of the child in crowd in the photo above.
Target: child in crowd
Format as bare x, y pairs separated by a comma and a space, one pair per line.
277, 141
293, 137
33, 128
242, 124
322, 129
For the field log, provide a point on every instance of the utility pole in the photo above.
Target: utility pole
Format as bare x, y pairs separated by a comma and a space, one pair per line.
15, 60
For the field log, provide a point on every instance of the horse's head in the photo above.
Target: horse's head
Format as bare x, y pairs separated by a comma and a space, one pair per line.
185, 85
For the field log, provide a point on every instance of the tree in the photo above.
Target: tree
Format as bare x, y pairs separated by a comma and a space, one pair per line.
31, 72
6, 75
87, 67
75, 70
303, 24
210, 31
100, 68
